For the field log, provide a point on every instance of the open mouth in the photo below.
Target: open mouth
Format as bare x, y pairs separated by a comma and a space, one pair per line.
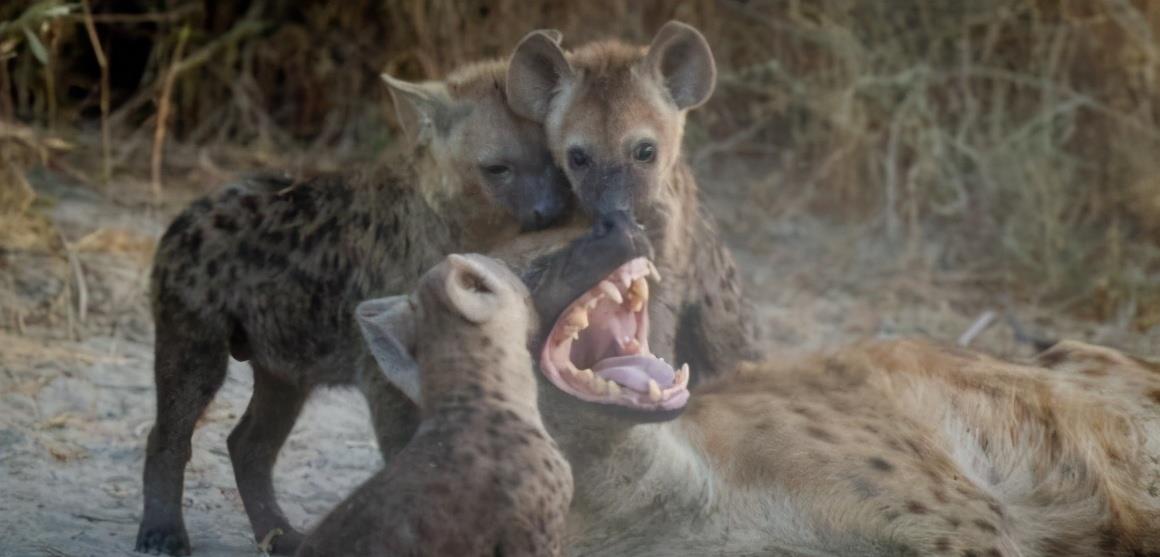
598, 349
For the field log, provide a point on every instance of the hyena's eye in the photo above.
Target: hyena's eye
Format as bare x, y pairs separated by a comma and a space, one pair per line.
497, 170
577, 157
644, 152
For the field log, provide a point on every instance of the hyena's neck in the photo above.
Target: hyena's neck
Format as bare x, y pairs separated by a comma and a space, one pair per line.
660, 482
676, 226
488, 376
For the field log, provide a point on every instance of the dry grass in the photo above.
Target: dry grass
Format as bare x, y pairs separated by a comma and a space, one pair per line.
1020, 134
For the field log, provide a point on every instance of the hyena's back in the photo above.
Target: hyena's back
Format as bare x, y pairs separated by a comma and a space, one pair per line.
276, 267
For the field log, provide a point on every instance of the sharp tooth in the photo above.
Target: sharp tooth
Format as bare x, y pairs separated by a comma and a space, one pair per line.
613, 388
585, 375
638, 294
631, 346
578, 319
599, 385
611, 291
592, 302
652, 269
576, 335
682, 376
654, 390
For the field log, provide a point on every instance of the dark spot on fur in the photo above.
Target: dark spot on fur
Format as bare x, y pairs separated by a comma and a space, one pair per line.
1052, 358
880, 464
211, 268
1154, 394
250, 203
942, 545
1109, 539
224, 223
970, 553
192, 242
709, 302
953, 521
820, 434
914, 507
891, 516
995, 508
994, 552
985, 526
1094, 372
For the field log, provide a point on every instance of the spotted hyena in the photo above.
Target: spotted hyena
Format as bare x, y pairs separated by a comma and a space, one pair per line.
481, 477
885, 448
615, 117
269, 270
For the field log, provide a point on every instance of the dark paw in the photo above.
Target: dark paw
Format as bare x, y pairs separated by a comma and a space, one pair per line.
281, 541
168, 539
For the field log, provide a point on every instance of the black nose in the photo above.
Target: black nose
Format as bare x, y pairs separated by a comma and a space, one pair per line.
619, 222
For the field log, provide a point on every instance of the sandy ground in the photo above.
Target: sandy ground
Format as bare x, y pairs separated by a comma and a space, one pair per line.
76, 395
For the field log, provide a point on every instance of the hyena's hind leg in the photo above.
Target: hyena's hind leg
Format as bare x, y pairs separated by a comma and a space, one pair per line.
254, 445
190, 360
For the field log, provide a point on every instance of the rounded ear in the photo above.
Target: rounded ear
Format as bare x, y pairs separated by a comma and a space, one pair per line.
472, 289
388, 326
422, 108
536, 69
681, 57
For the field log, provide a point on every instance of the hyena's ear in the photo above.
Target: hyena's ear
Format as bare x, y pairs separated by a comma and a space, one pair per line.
535, 71
422, 108
680, 57
472, 289
388, 326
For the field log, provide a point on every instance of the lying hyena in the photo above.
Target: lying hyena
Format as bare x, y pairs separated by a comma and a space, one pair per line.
481, 477
615, 116
882, 448
269, 270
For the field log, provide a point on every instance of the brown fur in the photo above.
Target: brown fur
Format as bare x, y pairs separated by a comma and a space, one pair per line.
888, 448
481, 477
607, 98
269, 270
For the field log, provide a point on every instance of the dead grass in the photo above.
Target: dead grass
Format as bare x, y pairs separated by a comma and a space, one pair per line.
1020, 134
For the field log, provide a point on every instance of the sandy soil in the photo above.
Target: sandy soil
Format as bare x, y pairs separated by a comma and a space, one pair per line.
76, 395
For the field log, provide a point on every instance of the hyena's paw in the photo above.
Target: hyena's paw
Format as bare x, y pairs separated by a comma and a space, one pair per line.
162, 539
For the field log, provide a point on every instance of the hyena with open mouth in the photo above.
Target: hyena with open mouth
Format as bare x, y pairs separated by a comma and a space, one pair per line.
615, 116
269, 270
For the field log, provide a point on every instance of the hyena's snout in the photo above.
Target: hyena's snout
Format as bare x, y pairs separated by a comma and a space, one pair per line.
548, 199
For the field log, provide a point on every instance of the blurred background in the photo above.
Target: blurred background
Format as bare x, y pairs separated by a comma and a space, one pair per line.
880, 168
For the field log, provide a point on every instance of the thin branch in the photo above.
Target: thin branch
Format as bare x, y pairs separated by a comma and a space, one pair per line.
163, 107
106, 159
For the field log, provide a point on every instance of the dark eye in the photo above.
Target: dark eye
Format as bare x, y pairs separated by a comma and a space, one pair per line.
577, 157
644, 152
497, 170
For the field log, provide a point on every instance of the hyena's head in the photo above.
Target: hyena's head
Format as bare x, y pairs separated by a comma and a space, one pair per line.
466, 323
614, 113
485, 154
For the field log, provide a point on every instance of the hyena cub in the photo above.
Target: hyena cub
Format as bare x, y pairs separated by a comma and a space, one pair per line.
481, 477
270, 271
615, 116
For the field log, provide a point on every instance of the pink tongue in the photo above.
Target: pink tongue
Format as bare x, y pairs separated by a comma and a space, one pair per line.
635, 371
